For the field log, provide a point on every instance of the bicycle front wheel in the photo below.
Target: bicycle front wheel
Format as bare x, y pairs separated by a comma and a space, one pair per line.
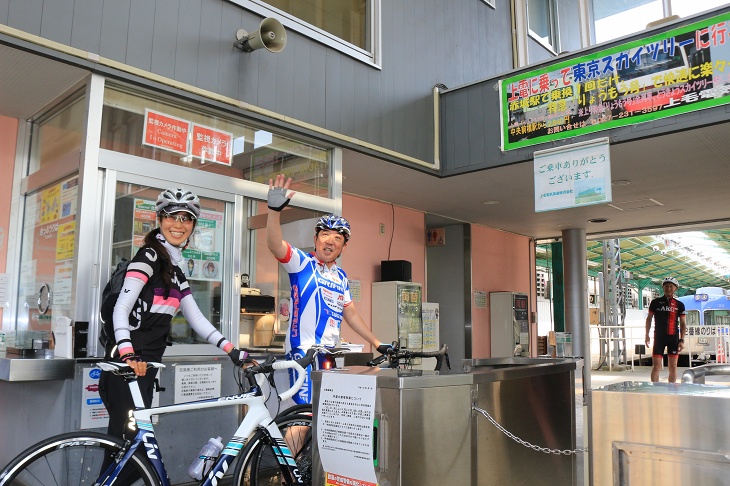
73, 459
259, 466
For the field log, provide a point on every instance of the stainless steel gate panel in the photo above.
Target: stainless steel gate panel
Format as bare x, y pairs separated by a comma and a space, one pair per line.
426, 425
660, 433
534, 399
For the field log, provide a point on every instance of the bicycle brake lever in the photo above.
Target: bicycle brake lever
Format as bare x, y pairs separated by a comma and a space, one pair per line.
377, 361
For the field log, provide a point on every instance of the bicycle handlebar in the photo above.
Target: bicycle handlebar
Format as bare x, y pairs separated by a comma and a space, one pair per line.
298, 365
397, 354
123, 369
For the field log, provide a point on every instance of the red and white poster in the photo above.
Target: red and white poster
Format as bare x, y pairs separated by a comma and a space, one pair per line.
211, 145
166, 132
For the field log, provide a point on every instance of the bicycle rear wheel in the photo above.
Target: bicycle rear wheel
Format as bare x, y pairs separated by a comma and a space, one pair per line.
301, 409
258, 465
72, 459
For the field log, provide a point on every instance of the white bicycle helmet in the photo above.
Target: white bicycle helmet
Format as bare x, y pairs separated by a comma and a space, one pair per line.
671, 280
333, 222
175, 200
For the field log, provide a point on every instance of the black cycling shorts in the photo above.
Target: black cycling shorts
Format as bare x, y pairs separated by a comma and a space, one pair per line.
661, 341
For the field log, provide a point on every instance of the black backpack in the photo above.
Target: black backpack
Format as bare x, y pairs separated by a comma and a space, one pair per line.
109, 298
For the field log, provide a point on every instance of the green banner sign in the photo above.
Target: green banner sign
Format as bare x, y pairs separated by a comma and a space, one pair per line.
678, 71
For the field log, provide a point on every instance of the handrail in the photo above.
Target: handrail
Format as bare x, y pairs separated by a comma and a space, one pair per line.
698, 373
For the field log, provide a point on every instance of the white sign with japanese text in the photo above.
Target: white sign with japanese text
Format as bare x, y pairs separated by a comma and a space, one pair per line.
707, 331
345, 420
197, 382
573, 175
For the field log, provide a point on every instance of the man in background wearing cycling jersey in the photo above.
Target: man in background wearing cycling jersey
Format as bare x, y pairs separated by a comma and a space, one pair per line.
667, 312
320, 291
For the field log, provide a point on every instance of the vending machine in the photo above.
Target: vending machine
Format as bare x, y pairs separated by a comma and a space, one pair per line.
509, 313
396, 313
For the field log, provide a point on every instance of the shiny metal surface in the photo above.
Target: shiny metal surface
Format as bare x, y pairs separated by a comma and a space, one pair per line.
433, 437
537, 404
427, 423
32, 369
697, 375
660, 433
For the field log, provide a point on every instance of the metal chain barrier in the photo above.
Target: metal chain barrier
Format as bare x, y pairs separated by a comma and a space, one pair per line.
547, 450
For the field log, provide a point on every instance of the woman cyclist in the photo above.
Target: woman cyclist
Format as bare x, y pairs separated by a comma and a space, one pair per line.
155, 288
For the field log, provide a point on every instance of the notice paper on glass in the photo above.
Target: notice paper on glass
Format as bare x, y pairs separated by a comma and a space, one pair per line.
345, 418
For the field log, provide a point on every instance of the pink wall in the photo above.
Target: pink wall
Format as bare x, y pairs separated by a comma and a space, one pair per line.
361, 259
8, 136
500, 262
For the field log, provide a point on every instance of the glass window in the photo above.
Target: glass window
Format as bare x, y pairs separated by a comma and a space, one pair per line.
717, 318
693, 318
685, 8
346, 19
58, 135
542, 22
47, 256
617, 19
350, 26
146, 127
202, 264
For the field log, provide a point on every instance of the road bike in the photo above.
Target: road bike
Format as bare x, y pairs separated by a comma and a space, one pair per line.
76, 458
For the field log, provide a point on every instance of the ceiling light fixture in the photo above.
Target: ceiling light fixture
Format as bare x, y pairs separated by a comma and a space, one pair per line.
621, 183
490, 203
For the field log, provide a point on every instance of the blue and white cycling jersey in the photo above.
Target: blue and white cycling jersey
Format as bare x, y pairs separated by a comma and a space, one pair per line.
318, 298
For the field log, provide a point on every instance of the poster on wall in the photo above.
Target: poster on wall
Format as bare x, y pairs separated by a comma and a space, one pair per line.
93, 412
144, 220
62, 283
69, 197
677, 71
202, 258
50, 204
165, 132
65, 241
211, 145
430, 317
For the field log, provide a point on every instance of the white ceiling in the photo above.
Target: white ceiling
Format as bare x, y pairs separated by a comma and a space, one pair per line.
676, 181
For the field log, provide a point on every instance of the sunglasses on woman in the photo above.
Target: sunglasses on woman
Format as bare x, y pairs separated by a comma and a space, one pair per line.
179, 217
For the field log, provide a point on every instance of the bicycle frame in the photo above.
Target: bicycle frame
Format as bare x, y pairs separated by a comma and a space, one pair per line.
258, 416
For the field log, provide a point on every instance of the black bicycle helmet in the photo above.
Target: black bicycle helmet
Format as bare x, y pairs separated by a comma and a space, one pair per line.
335, 223
174, 200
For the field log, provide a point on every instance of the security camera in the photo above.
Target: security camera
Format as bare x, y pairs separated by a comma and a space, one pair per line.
270, 36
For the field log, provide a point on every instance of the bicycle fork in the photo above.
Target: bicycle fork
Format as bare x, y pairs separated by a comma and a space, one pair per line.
273, 437
284, 456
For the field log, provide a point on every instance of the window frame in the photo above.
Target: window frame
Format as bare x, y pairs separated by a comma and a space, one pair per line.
372, 57
553, 25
